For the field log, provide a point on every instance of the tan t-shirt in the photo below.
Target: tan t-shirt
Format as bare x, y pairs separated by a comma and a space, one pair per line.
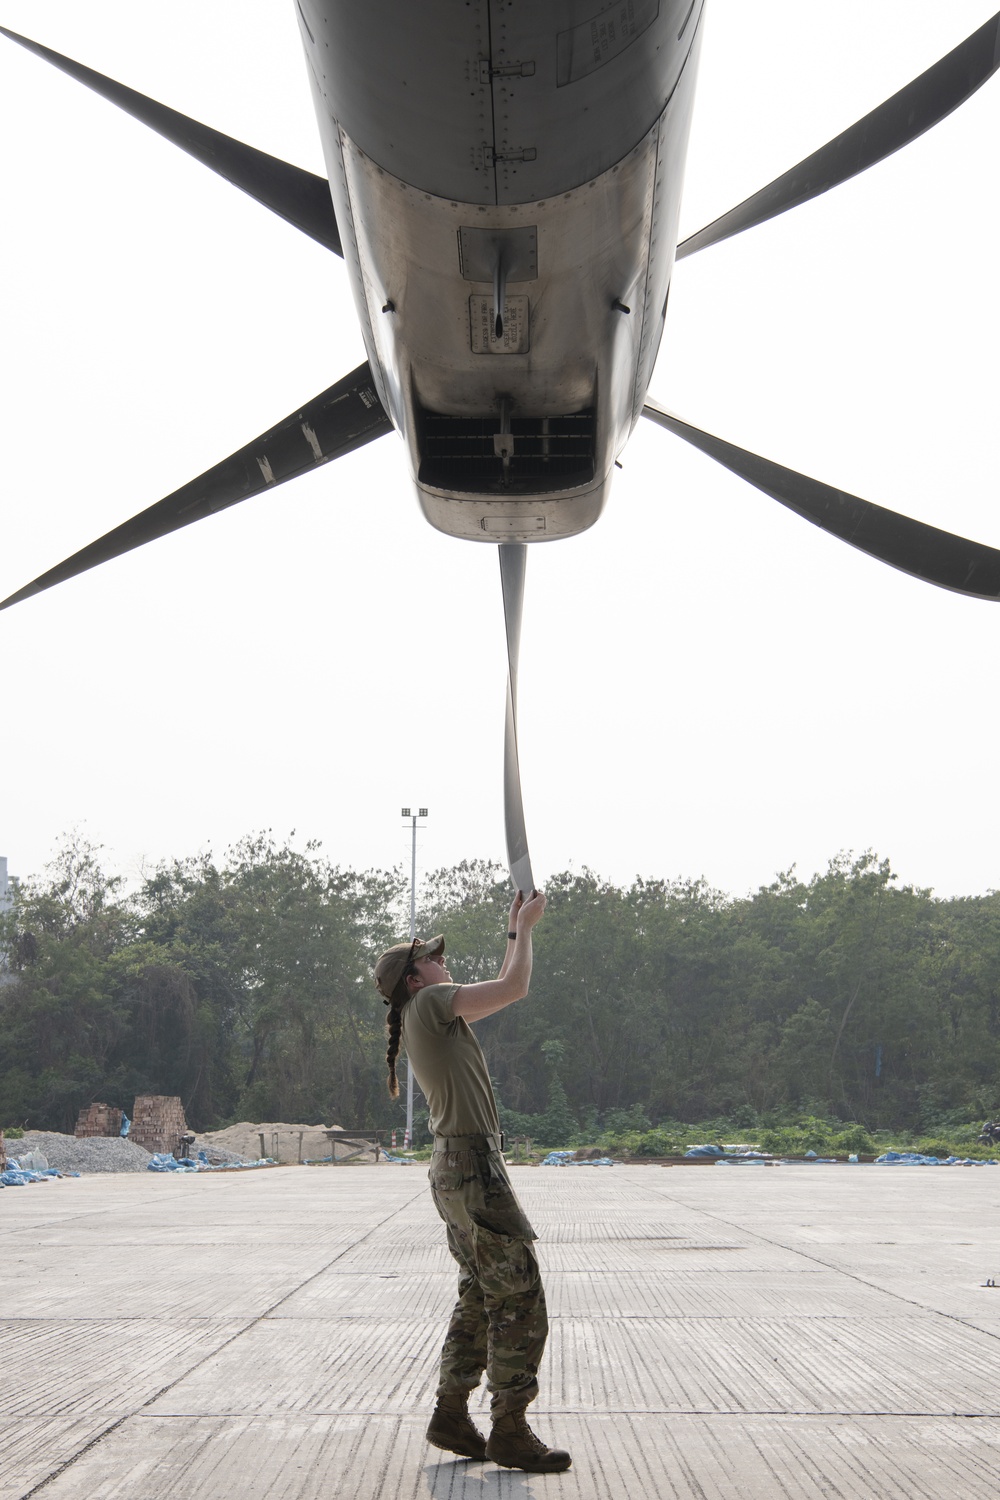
448, 1064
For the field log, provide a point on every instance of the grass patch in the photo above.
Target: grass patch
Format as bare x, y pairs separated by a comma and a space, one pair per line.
787, 1137
781, 1136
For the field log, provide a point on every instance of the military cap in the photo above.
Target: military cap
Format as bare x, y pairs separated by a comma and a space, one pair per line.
396, 960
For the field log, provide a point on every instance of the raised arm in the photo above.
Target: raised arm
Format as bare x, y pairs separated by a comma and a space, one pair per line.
515, 907
474, 1001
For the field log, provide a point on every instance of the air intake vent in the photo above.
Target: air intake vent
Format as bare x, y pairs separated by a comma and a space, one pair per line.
542, 453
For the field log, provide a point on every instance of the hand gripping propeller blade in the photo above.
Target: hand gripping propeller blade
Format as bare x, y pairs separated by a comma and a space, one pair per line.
512, 560
891, 126
300, 197
345, 417
940, 557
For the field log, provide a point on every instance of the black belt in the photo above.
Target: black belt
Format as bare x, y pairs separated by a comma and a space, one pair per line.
468, 1142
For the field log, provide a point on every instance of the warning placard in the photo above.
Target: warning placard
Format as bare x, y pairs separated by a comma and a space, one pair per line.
516, 336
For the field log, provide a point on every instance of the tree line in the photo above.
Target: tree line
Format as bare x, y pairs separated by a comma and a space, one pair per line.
244, 986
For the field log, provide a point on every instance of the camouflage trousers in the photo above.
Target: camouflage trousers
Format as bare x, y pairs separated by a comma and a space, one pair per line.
499, 1323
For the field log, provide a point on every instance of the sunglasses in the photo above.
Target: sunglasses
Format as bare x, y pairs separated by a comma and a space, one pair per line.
431, 958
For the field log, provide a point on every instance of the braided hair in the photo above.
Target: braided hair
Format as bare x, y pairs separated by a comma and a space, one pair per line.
394, 1025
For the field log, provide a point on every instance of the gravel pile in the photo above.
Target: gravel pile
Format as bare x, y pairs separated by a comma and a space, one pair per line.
98, 1153
94, 1153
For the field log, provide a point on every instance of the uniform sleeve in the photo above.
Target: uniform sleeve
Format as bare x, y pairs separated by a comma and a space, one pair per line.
432, 1007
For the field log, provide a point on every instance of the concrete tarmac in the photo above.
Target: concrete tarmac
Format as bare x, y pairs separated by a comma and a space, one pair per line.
718, 1333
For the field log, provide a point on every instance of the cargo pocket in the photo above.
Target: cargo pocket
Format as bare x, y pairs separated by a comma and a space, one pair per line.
498, 1212
451, 1174
447, 1179
505, 1264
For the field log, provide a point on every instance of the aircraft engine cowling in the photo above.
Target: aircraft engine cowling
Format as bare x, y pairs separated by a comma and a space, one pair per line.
511, 309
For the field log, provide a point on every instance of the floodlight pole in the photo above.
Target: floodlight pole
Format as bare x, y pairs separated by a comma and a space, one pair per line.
421, 812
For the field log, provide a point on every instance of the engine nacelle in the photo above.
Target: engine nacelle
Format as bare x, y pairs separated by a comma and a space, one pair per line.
512, 298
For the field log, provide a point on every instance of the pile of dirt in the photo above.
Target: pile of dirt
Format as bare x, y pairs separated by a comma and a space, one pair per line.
281, 1140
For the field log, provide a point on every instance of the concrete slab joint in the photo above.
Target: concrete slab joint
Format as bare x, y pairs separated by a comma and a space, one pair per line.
712, 1336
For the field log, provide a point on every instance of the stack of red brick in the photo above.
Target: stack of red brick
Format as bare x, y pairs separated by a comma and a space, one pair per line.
99, 1119
158, 1122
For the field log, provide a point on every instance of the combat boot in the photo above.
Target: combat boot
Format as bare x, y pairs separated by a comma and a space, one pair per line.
452, 1429
513, 1444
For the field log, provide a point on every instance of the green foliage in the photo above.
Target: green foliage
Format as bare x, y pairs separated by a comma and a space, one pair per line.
809, 1134
856, 1139
659, 1143
648, 1143
936, 1147
623, 1144
243, 988
809, 1015
555, 1127
13, 1133
619, 1121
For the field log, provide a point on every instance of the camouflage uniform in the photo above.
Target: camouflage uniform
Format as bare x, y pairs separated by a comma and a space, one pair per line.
499, 1323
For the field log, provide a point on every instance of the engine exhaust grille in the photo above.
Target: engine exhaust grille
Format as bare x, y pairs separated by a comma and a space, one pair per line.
542, 453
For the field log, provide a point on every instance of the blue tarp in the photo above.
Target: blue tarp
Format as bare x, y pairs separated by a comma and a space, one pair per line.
18, 1176
914, 1159
13, 1177
570, 1159
164, 1162
719, 1153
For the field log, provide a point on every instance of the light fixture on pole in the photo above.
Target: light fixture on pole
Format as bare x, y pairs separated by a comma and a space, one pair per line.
405, 812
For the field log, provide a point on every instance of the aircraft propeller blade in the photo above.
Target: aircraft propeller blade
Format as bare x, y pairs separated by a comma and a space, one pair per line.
300, 197
940, 557
513, 556
345, 417
892, 125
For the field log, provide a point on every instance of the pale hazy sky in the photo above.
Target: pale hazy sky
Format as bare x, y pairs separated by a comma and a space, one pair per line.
709, 685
